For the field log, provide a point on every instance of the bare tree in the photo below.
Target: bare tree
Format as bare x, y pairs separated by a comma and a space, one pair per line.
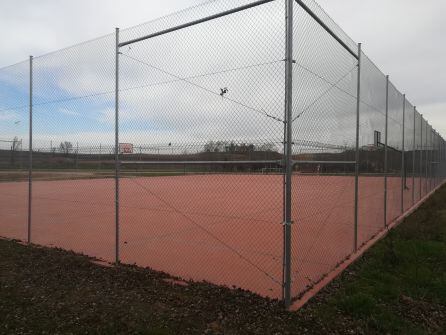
266, 147
212, 146
65, 147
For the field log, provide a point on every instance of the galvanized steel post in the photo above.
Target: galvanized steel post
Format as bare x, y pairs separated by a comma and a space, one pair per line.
30, 149
431, 155
436, 158
288, 151
427, 158
421, 155
403, 170
117, 147
437, 140
386, 129
358, 105
433, 159
413, 155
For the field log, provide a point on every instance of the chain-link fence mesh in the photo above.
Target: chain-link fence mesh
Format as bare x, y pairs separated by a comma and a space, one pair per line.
324, 114
14, 143
73, 97
372, 133
427, 155
417, 154
394, 153
408, 152
210, 92
191, 179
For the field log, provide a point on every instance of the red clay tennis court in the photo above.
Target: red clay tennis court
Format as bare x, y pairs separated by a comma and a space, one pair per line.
221, 228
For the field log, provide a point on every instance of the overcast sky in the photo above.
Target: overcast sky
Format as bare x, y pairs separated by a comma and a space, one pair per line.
405, 38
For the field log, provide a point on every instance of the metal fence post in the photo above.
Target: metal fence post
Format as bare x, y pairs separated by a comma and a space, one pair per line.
443, 149
30, 149
434, 170
288, 152
117, 147
358, 105
437, 138
432, 157
438, 159
413, 155
437, 153
431, 179
385, 151
421, 156
403, 165
427, 159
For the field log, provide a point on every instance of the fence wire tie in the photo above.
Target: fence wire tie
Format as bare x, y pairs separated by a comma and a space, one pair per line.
273, 117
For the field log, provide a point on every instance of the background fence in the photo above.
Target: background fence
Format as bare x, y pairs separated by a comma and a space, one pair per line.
168, 145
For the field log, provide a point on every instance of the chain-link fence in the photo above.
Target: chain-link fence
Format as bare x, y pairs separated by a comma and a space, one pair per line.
246, 143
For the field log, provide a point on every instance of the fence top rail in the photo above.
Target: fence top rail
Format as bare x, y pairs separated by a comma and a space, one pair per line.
326, 28
195, 22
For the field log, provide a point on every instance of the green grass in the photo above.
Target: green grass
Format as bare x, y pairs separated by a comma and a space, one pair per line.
399, 286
